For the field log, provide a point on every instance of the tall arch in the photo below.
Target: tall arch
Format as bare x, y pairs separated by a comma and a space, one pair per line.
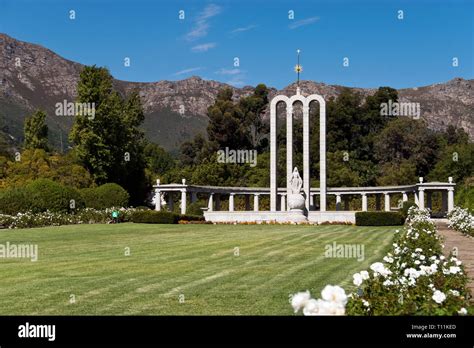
289, 146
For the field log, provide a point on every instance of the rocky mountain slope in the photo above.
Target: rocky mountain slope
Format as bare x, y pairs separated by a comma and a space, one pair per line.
32, 76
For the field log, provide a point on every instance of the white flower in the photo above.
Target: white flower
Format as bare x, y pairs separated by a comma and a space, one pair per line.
299, 300
365, 303
311, 307
379, 268
454, 269
357, 279
388, 259
454, 292
364, 275
422, 257
334, 294
417, 262
462, 311
331, 308
388, 282
438, 296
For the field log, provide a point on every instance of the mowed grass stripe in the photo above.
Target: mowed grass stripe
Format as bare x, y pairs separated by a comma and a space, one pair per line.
198, 260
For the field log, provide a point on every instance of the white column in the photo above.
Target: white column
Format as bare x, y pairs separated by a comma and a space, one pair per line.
421, 198
283, 202
364, 202
157, 200
338, 202
231, 202
255, 202
450, 199
289, 146
211, 202
404, 197
306, 178
183, 201
322, 154
387, 202
417, 201
273, 157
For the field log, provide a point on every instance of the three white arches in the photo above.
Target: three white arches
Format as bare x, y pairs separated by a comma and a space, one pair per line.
289, 101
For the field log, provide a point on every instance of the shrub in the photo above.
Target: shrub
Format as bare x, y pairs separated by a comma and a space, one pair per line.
47, 218
461, 220
14, 200
154, 217
45, 194
105, 196
379, 218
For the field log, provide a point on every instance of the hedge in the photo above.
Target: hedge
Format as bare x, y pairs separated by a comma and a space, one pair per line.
38, 196
161, 217
379, 218
14, 200
105, 196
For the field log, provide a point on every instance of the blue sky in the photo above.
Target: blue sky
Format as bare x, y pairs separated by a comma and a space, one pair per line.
382, 49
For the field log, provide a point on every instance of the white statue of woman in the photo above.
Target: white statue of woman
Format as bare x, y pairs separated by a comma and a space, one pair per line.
296, 183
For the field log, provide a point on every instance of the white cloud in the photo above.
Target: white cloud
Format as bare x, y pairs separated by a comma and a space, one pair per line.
242, 29
302, 22
224, 71
203, 47
187, 71
201, 26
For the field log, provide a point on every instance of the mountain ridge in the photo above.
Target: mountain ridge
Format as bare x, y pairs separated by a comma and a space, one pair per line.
176, 110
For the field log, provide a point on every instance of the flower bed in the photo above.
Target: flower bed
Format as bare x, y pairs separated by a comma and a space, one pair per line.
413, 279
47, 218
461, 220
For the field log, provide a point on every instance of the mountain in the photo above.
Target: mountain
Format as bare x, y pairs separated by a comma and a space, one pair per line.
32, 76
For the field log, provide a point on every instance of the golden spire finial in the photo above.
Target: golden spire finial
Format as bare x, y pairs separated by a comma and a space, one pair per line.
298, 67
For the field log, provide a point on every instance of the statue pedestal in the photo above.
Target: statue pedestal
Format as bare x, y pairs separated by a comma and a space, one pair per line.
296, 215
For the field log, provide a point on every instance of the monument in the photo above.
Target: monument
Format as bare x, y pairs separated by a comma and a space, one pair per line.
297, 199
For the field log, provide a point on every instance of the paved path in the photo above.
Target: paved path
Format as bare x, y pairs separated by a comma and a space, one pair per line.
465, 246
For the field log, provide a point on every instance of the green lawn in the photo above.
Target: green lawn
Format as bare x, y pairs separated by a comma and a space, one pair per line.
167, 261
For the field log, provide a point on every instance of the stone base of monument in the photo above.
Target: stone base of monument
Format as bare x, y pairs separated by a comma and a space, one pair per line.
314, 217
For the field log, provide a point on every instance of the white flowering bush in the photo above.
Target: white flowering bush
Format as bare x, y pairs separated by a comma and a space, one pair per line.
414, 278
461, 220
47, 218
333, 302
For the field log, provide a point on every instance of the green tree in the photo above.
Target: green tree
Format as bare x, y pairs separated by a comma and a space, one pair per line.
227, 126
456, 161
36, 131
110, 144
408, 139
158, 160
